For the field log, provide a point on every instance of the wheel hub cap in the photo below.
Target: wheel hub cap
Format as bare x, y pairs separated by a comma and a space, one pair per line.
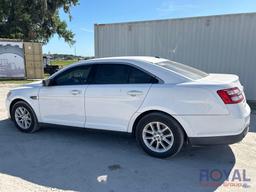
158, 137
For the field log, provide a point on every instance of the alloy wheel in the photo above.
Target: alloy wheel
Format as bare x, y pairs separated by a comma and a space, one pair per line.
158, 137
23, 117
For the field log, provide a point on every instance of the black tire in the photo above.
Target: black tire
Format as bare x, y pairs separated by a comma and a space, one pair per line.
34, 126
175, 127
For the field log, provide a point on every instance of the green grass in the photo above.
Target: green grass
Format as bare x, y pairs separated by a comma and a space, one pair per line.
22, 81
63, 63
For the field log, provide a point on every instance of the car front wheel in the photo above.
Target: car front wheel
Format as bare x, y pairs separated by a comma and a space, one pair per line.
159, 135
24, 117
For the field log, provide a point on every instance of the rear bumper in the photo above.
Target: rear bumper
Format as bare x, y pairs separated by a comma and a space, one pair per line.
219, 140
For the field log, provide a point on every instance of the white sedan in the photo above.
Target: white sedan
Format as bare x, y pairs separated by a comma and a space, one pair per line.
163, 103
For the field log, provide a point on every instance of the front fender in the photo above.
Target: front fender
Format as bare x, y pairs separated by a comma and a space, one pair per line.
34, 103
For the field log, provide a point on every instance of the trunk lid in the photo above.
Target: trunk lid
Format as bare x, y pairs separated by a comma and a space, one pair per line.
222, 81
226, 80
220, 78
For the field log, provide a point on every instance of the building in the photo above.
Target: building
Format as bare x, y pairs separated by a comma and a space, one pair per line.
216, 44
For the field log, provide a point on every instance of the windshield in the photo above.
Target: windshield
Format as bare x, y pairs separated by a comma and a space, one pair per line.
187, 71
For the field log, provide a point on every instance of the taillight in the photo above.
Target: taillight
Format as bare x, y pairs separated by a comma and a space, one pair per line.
231, 96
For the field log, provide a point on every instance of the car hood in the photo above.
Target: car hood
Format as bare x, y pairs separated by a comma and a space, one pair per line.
29, 85
34, 84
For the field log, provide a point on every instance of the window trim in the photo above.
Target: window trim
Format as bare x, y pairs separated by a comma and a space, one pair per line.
95, 65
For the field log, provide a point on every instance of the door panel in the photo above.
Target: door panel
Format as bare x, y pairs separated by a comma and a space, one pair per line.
63, 105
63, 101
111, 106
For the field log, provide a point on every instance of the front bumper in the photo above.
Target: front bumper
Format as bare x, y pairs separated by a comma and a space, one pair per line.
219, 140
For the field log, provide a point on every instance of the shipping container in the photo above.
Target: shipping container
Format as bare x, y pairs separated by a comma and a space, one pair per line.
215, 44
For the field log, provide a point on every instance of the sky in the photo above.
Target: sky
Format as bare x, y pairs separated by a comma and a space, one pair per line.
90, 12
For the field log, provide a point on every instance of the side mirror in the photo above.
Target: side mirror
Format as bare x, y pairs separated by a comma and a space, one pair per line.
46, 82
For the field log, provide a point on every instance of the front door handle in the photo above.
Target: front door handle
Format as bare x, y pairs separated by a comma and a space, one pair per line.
75, 92
134, 93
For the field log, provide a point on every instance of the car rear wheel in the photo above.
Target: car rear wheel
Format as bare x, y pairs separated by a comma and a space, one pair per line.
159, 135
24, 117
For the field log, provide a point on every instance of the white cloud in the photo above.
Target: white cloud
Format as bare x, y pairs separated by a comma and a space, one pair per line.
86, 30
173, 6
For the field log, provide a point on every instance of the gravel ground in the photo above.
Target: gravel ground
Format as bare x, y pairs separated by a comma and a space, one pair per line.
56, 159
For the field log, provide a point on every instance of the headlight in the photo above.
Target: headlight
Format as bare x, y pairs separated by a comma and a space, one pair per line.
9, 94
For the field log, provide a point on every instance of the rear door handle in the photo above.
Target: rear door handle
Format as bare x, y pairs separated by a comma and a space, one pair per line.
75, 92
134, 93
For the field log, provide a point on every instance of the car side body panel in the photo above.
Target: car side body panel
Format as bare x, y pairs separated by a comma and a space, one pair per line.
64, 105
110, 107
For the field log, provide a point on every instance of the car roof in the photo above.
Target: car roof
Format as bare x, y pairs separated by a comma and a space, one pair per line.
147, 59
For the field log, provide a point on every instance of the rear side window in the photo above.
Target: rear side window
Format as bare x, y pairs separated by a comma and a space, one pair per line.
184, 70
111, 74
121, 74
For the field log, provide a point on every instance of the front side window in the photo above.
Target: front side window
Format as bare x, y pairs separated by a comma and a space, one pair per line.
74, 76
121, 74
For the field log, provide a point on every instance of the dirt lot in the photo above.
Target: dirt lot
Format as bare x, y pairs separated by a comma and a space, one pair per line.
56, 159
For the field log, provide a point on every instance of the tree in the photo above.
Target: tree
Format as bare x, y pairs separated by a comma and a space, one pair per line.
35, 20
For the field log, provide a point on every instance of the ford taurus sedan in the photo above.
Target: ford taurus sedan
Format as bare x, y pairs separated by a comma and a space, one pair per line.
163, 103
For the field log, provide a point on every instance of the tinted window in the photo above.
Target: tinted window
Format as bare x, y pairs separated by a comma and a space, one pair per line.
75, 76
184, 70
111, 74
121, 74
138, 76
